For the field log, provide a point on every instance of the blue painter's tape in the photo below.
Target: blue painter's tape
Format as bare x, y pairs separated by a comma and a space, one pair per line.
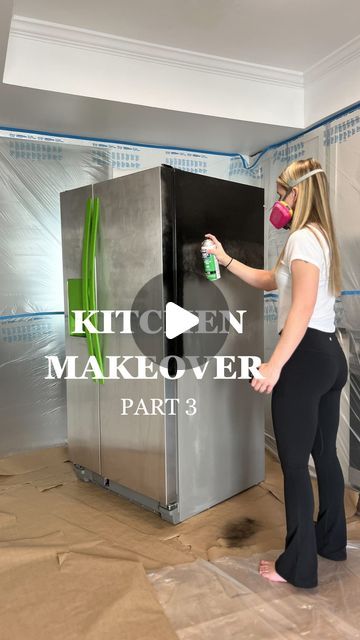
111, 141
353, 292
217, 153
32, 315
331, 118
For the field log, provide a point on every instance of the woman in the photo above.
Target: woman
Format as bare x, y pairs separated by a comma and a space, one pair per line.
305, 373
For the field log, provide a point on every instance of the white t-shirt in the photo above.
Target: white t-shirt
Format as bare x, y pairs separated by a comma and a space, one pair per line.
303, 245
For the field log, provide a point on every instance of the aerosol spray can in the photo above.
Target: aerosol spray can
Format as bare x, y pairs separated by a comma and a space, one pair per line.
211, 263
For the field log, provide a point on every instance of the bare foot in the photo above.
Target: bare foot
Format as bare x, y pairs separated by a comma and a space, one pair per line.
267, 570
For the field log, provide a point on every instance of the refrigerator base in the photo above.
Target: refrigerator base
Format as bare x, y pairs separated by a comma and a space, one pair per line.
169, 512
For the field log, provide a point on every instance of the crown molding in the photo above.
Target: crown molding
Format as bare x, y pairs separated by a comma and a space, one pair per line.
335, 61
98, 42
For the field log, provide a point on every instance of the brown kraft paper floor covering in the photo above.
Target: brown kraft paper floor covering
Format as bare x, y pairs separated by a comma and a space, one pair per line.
74, 557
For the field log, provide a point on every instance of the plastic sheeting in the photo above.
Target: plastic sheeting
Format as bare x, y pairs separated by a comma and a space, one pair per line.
228, 598
32, 173
35, 169
337, 147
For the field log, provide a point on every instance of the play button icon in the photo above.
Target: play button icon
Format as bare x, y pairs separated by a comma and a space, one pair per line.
178, 320
193, 325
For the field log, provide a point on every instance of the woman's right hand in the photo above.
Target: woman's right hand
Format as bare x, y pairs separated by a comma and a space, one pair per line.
218, 250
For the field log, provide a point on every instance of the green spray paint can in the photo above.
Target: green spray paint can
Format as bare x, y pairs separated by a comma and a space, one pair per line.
211, 263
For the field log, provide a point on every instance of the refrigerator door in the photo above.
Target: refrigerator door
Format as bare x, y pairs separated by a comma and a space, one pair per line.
151, 224
82, 395
137, 451
221, 448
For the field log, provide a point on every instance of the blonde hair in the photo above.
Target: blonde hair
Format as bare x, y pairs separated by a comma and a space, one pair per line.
313, 206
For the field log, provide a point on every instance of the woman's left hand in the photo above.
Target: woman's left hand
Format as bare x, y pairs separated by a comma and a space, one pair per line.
271, 376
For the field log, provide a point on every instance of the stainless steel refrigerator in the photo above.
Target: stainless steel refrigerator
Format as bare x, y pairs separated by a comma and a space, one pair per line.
148, 230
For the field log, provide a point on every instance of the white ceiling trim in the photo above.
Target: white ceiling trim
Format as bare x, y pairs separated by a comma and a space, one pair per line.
5, 24
168, 78
336, 61
48, 32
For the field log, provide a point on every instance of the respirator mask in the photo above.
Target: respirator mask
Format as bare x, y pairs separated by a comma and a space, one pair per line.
281, 213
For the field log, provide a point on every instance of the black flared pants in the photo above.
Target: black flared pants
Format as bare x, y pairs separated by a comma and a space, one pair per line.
305, 408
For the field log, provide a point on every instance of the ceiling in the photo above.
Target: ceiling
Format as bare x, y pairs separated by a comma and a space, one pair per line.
268, 32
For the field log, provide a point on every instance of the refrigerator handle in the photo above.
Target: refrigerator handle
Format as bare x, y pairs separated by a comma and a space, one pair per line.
92, 281
84, 269
86, 285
